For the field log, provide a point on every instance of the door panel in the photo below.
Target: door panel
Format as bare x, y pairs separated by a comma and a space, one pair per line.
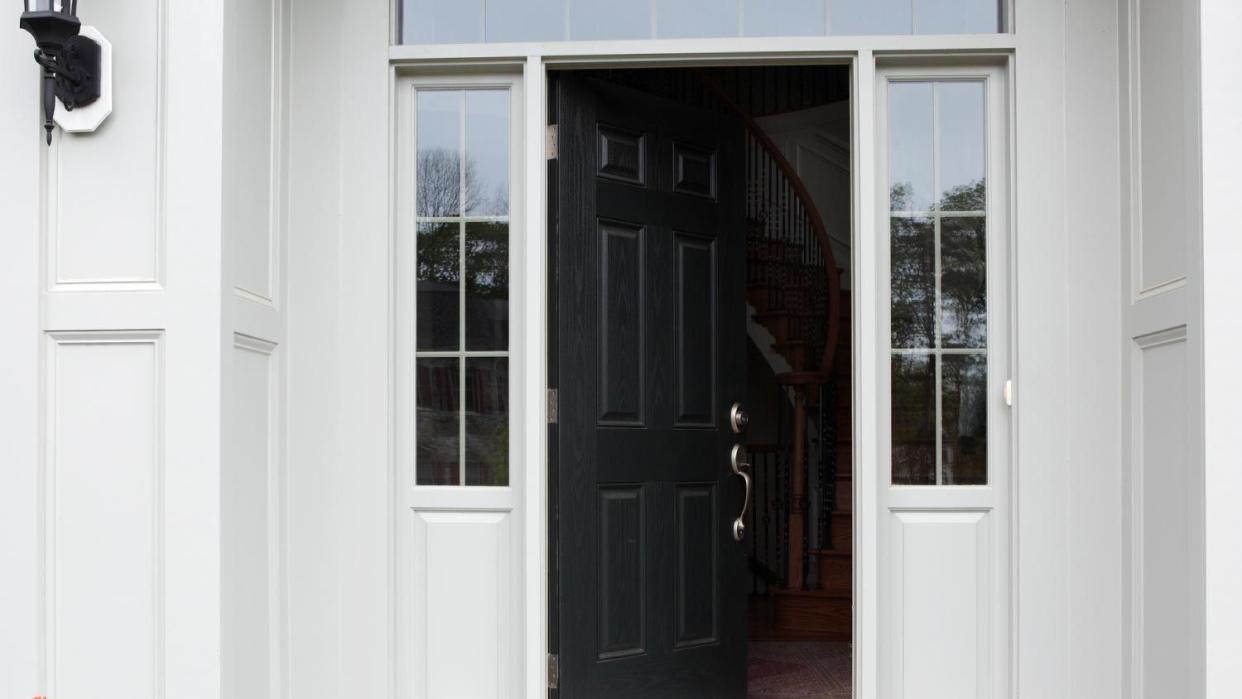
650, 334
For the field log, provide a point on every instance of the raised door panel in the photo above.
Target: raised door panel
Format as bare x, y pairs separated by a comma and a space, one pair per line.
697, 600
462, 620
622, 313
695, 331
941, 597
622, 573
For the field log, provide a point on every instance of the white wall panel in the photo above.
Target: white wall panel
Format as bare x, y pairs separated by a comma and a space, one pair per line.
249, 549
1167, 519
1163, 394
251, 98
105, 195
1164, 128
1092, 509
942, 574
103, 516
462, 615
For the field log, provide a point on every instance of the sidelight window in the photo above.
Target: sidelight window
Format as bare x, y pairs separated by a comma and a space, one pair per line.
938, 282
497, 21
461, 261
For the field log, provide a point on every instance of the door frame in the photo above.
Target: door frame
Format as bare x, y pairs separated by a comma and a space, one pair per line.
861, 53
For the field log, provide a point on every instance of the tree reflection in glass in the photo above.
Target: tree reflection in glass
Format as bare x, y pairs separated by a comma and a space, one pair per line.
462, 290
487, 421
938, 282
914, 419
913, 270
487, 286
963, 282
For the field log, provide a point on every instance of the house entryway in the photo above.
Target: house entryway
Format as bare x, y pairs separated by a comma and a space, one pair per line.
701, 478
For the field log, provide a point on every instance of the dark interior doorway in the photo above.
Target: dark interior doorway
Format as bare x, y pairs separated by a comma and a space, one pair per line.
700, 237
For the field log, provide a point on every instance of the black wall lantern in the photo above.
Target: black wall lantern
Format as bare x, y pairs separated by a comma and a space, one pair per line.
71, 63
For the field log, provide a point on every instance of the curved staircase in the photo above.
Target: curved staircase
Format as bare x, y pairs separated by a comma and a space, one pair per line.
793, 290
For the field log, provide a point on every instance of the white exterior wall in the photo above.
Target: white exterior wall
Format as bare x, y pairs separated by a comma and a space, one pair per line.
110, 399
339, 337
1221, 85
163, 359
1092, 516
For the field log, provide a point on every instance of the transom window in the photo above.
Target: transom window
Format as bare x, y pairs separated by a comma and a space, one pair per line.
938, 277
495, 21
462, 286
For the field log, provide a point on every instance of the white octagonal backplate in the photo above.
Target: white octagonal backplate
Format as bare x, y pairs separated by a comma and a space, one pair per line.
88, 118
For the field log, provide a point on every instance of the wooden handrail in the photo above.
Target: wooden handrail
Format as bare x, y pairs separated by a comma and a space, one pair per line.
808, 204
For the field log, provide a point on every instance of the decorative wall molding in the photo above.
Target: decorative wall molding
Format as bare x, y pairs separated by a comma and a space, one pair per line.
112, 241
103, 441
264, 288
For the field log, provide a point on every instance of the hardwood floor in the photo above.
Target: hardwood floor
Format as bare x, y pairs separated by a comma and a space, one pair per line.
785, 670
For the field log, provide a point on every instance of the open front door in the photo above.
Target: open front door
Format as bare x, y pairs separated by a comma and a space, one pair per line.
650, 255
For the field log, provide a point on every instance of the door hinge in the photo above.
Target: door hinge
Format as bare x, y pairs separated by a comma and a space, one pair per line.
554, 671
552, 401
549, 142
1008, 392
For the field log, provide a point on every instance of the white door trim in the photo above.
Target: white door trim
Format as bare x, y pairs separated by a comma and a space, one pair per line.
941, 510
536, 59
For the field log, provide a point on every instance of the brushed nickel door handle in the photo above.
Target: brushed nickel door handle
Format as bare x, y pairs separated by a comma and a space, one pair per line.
738, 418
739, 462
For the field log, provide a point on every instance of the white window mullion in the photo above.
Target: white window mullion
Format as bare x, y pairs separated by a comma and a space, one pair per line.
937, 357
461, 293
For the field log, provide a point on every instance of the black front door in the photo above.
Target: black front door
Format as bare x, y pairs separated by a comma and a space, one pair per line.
649, 583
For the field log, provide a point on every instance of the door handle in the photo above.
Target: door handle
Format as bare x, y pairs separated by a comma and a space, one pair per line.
739, 462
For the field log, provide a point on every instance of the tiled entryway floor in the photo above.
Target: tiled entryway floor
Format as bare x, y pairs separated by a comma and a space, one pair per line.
784, 670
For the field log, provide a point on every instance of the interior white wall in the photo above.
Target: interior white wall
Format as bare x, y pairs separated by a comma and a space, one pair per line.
110, 334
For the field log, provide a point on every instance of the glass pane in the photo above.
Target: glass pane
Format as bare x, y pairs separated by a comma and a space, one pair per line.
439, 149
695, 18
487, 421
963, 282
964, 418
870, 17
439, 293
525, 20
956, 16
437, 430
910, 146
914, 419
440, 22
609, 19
913, 268
782, 17
487, 153
487, 286
961, 158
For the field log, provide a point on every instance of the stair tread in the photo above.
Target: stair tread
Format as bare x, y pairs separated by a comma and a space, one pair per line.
826, 595
831, 553
783, 313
